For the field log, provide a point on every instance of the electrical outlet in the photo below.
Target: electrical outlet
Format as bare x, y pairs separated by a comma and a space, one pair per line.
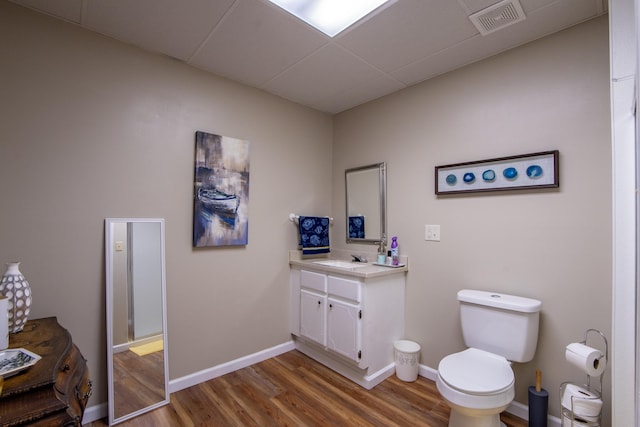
432, 233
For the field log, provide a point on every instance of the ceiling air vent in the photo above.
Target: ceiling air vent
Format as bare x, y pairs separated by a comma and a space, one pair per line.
498, 16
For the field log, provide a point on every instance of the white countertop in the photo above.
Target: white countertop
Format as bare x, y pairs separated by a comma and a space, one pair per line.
369, 269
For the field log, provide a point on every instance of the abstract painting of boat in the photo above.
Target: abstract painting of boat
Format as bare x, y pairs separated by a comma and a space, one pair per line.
218, 202
221, 191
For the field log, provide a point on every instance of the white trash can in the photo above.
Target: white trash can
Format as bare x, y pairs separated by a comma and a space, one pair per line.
407, 357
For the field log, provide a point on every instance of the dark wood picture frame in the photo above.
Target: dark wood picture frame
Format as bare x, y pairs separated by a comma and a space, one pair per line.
522, 172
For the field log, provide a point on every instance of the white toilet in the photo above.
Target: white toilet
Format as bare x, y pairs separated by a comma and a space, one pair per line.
478, 383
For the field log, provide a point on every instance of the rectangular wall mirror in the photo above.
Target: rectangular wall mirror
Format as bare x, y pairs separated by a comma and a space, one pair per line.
366, 202
137, 364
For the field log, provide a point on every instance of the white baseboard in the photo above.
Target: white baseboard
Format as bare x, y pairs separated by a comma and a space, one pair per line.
96, 412
428, 373
228, 367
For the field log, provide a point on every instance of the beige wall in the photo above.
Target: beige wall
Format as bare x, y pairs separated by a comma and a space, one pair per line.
91, 128
553, 245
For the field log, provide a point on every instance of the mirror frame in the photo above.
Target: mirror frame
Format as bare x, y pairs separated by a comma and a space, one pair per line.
109, 247
382, 185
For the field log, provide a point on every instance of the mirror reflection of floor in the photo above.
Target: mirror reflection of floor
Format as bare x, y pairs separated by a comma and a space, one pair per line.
138, 380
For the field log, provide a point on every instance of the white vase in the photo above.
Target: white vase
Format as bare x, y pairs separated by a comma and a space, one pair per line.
18, 293
4, 323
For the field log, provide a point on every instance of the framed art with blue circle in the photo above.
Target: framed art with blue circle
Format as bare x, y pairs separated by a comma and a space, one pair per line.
522, 172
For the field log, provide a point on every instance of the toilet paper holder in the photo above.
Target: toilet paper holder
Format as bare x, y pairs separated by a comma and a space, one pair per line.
605, 344
582, 405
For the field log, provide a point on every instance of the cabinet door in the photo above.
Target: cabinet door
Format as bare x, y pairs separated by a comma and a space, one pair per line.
344, 328
313, 316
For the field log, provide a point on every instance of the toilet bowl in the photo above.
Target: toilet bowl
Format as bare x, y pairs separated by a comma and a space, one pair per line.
477, 385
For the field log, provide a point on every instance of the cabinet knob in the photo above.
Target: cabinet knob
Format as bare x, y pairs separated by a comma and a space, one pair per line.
66, 368
319, 302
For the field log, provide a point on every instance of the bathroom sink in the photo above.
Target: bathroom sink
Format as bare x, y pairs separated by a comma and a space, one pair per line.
340, 264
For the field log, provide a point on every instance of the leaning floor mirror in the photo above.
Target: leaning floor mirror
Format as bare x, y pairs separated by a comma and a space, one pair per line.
137, 365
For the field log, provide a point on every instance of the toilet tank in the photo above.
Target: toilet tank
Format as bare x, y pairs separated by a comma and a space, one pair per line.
502, 324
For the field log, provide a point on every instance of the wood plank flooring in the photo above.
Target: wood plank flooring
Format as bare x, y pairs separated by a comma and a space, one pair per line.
294, 390
144, 374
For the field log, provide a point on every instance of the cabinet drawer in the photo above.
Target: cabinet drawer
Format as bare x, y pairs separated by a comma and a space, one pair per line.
68, 368
344, 288
82, 391
312, 280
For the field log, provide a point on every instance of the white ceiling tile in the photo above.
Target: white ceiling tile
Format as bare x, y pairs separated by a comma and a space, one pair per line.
255, 42
69, 10
407, 31
328, 72
165, 26
472, 6
533, 5
360, 94
544, 21
446, 60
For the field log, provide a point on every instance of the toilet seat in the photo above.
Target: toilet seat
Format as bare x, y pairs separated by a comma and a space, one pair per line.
476, 372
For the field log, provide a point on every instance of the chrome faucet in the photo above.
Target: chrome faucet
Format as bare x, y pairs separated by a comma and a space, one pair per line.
381, 248
358, 258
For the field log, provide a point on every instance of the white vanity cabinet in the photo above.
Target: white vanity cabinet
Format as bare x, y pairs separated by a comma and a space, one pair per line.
348, 322
331, 313
313, 306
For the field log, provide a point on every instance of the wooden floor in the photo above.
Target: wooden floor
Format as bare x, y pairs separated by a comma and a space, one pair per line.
144, 374
293, 390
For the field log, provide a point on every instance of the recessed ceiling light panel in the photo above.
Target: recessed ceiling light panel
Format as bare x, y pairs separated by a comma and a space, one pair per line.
330, 16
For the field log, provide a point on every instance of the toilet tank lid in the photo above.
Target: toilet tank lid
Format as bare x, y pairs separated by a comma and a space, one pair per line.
504, 301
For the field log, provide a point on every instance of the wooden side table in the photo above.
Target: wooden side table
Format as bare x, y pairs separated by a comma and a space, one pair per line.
53, 392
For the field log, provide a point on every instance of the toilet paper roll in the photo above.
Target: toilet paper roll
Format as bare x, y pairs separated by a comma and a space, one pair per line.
588, 359
582, 402
567, 422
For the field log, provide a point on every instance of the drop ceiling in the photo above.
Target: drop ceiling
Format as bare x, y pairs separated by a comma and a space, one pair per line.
256, 43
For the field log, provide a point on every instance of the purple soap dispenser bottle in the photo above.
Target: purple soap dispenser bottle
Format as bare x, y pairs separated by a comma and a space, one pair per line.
394, 251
